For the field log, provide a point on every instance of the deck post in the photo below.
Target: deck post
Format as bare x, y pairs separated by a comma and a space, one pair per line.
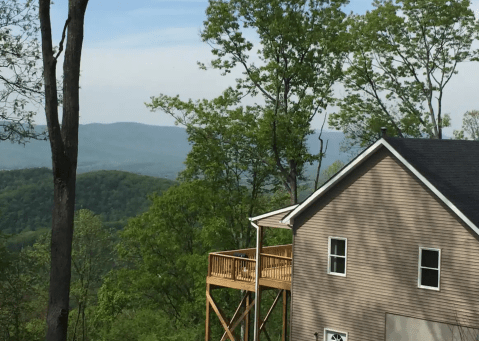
285, 314
208, 329
257, 317
246, 319
233, 272
259, 249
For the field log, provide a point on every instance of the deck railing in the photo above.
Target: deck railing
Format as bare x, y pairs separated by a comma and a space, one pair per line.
235, 268
275, 264
279, 250
276, 267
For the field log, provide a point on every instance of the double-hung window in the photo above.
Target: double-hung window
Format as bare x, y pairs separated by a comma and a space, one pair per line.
429, 272
337, 250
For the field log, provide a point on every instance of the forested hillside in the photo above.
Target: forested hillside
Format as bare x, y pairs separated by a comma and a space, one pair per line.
26, 197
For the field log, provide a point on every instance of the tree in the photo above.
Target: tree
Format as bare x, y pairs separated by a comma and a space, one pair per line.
20, 76
328, 173
403, 56
164, 258
227, 153
64, 146
91, 254
301, 44
21, 296
470, 125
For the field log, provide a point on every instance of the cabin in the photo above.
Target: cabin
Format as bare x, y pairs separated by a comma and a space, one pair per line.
387, 249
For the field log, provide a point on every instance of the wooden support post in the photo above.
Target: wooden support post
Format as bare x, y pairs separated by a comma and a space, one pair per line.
257, 317
259, 250
208, 329
285, 315
220, 316
246, 319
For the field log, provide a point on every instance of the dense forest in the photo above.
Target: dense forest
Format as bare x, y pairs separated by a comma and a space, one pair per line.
140, 278
26, 198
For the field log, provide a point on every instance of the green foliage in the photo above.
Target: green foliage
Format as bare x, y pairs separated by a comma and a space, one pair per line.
22, 302
91, 259
26, 197
331, 170
21, 76
148, 325
470, 125
228, 154
299, 65
166, 262
403, 56
22, 240
163, 255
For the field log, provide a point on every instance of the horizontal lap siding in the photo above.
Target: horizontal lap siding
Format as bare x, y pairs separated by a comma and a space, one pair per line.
386, 214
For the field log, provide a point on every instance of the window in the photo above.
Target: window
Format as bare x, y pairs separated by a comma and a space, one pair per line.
429, 272
333, 335
337, 250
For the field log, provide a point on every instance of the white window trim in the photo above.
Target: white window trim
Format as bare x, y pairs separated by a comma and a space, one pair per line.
334, 331
419, 269
345, 257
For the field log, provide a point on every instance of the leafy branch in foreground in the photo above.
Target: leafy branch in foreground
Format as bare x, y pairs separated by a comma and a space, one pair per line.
20, 74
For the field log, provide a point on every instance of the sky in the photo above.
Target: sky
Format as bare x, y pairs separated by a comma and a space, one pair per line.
133, 50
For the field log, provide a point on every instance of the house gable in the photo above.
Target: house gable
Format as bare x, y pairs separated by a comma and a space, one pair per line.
434, 163
386, 213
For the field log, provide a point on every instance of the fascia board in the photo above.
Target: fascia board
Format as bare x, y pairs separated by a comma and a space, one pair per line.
269, 214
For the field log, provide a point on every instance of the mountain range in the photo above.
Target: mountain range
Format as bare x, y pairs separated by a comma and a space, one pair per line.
134, 147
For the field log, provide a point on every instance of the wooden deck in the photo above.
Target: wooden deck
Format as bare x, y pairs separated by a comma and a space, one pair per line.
227, 270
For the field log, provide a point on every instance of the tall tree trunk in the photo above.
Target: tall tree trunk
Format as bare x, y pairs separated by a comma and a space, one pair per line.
293, 181
64, 146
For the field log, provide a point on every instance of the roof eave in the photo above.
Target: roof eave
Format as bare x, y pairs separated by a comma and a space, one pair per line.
269, 214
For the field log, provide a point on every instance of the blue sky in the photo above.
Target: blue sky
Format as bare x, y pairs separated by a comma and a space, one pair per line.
133, 50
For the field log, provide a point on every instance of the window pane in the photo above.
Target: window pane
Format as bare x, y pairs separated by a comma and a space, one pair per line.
338, 247
338, 265
430, 258
430, 278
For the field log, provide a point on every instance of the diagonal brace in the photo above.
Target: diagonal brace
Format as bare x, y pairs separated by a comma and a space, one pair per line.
271, 309
234, 316
239, 320
220, 316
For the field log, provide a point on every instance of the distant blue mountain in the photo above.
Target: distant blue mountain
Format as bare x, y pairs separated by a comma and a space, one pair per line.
133, 147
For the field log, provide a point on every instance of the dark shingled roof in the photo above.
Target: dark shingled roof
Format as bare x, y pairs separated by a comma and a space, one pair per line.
451, 166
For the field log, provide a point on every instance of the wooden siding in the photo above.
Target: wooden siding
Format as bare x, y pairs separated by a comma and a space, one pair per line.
386, 214
273, 221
